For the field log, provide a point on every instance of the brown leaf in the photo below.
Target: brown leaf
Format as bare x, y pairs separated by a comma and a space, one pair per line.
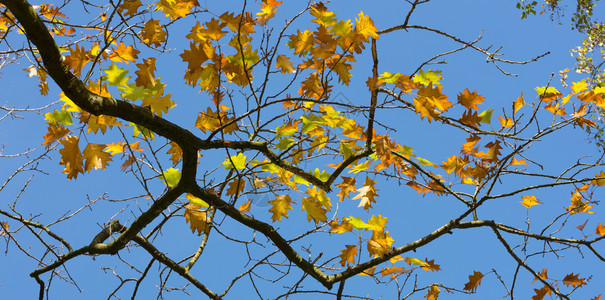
473, 282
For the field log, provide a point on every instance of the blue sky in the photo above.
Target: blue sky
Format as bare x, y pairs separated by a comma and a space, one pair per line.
410, 215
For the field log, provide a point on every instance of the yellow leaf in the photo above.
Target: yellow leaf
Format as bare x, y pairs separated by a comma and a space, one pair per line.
95, 157
176, 153
516, 161
284, 64
268, 10
197, 219
153, 33
175, 9
529, 201
518, 103
55, 132
146, 73
71, 157
315, 210
343, 227
280, 206
433, 293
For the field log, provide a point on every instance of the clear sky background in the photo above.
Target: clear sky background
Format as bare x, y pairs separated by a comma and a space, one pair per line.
410, 215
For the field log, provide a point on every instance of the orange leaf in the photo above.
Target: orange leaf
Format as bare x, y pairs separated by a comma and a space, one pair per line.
600, 229
573, 280
541, 293
348, 255
146, 73
543, 274
124, 54
518, 103
433, 293
473, 282
176, 153
131, 6
77, 59
236, 186
470, 100
347, 186
516, 161
430, 266
245, 207
55, 132
71, 157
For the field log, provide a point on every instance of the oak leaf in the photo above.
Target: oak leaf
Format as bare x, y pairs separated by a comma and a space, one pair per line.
124, 54
573, 280
470, 100
176, 153
473, 282
343, 227
315, 211
346, 186
77, 59
600, 229
529, 201
348, 255
146, 73
268, 10
153, 33
55, 132
95, 157
197, 219
175, 9
245, 207
280, 206
71, 157
236, 186
433, 293
131, 6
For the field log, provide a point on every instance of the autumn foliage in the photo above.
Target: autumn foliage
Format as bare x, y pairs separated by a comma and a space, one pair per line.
261, 123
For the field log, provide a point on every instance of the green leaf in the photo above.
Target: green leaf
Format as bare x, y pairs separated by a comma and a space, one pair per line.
428, 77
358, 223
61, 117
133, 92
486, 116
116, 76
415, 261
138, 129
171, 177
425, 162
300, 180
285, 143
547, 90
323, 175
236, 161
390, 78
345, 149
310, 122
